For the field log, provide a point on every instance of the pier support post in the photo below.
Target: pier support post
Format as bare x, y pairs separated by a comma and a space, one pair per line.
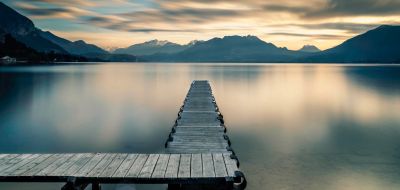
72, 184
174, 187
96, 186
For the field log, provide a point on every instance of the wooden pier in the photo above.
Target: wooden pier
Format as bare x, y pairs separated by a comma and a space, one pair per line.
198, 154
200, 126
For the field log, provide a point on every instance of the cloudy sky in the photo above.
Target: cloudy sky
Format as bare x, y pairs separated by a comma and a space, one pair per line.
289, 23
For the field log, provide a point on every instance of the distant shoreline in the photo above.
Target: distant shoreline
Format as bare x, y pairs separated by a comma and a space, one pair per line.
194, 63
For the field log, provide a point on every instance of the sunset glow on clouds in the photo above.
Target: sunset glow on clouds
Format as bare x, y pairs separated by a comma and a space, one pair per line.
120, 23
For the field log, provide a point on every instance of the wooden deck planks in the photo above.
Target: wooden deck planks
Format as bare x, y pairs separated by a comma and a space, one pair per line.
113, 166
196, 166
125, 166
230, 164
198, 153
137, 166
17, 163
173, 166
40, 165
30, 164
219, 165
149, 166
75, 166
102, 165
184, 166
161, 166
87, 167
199, 123
6, 157
208, 165
61, 159
63, 168
4, 162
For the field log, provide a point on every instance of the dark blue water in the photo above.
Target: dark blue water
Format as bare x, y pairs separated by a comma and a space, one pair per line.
293, 126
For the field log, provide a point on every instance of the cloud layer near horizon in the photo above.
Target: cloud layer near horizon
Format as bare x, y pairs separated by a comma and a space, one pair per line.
324, 23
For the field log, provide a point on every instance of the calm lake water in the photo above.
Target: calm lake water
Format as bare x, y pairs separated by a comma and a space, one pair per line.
312, 127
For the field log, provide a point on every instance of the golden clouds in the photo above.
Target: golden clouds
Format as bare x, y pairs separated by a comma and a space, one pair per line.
286, 22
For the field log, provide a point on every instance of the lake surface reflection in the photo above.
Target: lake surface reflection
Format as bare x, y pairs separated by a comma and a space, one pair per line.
293, 126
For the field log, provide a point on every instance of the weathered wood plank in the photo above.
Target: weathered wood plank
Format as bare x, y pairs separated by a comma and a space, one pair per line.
219, 165
194, 138
200, 144
208, 165
65, 167
196, 169
197, 147
192, 145
198, 109
76, 166
101, 166
41, 165
3, 155
184, 166
137, 166
205, 134
230, 164
125, 166
184, 140
196, 151
198, 138
12, 161
7, 158
149, 166
161, 166
189, 136
173, 166
200, 128
84, 171
21, 161
62, 158
36, 161
113, 166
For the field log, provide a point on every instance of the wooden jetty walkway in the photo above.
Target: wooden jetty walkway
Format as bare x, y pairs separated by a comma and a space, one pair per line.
198, 154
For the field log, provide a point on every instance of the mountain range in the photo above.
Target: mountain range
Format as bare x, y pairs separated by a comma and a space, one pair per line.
309, 49
79, 47
230, 49
23, 30
379, 45
152, 47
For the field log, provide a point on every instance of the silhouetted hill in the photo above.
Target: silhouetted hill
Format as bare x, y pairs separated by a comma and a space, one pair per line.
230, 49
23, 29
13, 22
380, 45
79, 47
9, 46
152, 47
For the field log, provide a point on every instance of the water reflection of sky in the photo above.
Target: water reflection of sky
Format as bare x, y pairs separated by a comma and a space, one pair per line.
293, 126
